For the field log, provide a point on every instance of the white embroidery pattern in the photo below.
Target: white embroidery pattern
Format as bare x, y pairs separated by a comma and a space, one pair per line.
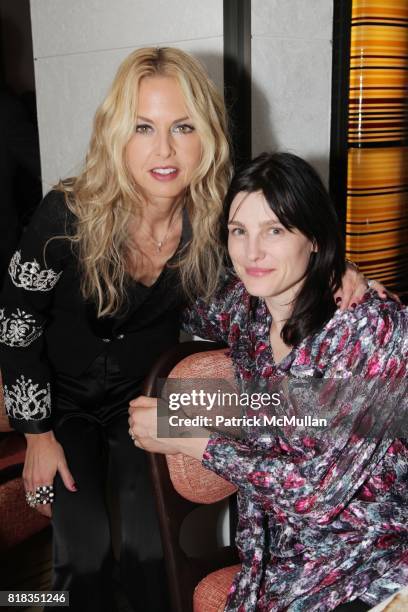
19, 329
29, 275
26, 401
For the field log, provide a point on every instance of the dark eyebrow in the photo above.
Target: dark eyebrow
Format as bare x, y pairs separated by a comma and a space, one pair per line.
232, 222
271, 222
151, 120
263, 224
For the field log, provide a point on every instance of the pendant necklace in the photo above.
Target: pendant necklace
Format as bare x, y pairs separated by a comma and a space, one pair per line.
159, 243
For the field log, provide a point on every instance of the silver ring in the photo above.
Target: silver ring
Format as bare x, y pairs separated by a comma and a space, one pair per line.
31, 499
370, 283
43, 494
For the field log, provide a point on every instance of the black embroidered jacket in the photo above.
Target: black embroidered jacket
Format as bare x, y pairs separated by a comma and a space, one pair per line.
46, 326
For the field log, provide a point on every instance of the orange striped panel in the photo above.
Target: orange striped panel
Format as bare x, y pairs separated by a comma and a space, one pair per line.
377, 181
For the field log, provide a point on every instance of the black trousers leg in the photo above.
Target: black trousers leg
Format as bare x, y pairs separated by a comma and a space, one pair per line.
82, 541
141, 558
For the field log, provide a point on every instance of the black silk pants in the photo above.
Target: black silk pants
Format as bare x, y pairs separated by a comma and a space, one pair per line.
114, 498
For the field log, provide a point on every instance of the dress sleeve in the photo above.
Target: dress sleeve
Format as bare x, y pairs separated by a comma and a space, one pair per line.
303, 476
211, 320
33, 273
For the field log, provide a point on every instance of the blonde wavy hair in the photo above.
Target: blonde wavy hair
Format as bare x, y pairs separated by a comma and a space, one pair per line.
104, 196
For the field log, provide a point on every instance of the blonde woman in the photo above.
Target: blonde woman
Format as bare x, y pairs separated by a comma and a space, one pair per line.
93, 297
90, 302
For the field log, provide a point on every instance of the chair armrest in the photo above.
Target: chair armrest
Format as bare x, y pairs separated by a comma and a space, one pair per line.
174, 494
12, 455
190, 479
194, 482
18, 521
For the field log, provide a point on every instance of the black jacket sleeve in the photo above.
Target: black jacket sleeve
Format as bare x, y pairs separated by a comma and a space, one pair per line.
25, 303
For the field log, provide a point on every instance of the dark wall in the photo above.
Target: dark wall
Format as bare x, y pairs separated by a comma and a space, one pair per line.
16, 46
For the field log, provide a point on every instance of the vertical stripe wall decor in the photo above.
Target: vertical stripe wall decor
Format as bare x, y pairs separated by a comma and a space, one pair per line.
377, 174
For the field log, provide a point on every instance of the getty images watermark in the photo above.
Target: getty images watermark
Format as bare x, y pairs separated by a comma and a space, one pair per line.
188, 406
290, 406
219, 400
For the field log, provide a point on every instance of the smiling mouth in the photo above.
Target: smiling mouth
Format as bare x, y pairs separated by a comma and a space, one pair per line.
258, 272
164, 171
164, 174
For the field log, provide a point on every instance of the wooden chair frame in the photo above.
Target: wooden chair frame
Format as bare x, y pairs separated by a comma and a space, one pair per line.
183, 572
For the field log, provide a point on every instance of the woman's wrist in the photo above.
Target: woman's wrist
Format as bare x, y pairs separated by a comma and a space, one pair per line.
35, 438
194, 447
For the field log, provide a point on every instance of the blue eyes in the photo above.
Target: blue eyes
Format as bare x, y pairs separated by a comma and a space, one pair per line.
181, 128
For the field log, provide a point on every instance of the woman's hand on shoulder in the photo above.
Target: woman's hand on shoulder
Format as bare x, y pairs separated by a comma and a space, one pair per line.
44, 458
354, 286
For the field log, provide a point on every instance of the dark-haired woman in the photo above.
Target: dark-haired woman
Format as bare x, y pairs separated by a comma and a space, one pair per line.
323, 519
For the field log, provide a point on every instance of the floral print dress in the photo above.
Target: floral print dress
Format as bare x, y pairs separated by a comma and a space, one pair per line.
320, 522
